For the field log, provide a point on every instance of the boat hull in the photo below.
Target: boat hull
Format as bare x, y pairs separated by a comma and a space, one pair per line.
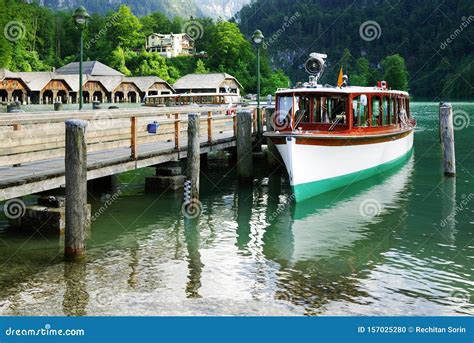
317, 166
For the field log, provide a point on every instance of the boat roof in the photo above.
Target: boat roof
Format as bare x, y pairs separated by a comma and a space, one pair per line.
342, 90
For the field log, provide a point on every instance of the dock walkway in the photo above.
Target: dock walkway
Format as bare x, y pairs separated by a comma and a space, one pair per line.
32, 145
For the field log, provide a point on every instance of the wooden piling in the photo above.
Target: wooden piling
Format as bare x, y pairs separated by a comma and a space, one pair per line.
193, 163
177, 131
76, 189
17, 127
209, 127
244, 147
58, 106
134, 137
273, 156
447, 139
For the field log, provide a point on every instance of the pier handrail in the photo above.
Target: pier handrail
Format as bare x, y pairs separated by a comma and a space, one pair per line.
31, 137
61, 116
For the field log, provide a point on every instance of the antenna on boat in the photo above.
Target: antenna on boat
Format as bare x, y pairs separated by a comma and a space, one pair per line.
314, 66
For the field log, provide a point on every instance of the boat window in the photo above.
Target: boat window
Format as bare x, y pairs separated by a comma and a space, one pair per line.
394, 110
407, 107
360, 113
337, 110
329, 110
320, 110
302, 109
385, 111
376, 110
285, 108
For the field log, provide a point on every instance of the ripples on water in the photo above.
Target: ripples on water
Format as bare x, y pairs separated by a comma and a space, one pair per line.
253, 252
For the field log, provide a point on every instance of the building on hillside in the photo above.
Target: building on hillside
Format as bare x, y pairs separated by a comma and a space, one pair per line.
208, 83
100, 83
170, 45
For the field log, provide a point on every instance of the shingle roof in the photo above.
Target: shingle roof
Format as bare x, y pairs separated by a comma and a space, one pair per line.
5, 73
109, 82
200, 81
145, 82
36, 81
94, 68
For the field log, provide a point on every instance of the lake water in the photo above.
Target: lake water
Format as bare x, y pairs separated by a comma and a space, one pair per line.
401, 243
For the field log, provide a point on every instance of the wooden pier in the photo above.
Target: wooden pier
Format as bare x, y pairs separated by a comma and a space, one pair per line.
32, 145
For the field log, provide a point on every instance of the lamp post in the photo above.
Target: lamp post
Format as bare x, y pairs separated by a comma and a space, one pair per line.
257, 38
80, 18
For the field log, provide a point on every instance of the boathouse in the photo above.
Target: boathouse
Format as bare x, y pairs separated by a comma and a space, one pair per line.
100, 83
208, 83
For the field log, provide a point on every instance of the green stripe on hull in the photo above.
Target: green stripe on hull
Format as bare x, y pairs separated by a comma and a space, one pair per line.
310, 189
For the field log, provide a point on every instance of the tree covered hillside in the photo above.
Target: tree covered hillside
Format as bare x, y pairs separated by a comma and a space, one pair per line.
37, 38
435, 38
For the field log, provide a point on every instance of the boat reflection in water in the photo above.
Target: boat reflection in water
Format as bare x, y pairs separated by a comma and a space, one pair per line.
322, 243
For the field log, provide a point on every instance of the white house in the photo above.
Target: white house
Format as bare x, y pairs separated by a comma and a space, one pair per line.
170, 45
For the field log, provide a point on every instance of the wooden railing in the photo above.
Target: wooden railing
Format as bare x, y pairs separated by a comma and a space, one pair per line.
31, 137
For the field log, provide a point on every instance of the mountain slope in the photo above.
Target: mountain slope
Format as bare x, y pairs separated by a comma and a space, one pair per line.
184, 8
418, 30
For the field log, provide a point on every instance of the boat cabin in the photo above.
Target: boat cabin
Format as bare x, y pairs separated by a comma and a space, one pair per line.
324, 109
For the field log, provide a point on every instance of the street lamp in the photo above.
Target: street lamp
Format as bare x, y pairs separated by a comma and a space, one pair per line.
257, 38
80, 18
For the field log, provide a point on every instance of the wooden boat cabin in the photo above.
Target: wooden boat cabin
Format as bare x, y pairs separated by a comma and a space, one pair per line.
348, 109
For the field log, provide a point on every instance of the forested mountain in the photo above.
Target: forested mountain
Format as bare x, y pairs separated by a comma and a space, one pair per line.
183, 8
418, 30
37, 38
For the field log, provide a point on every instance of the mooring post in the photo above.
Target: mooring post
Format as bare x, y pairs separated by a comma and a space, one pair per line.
76, 189
447, 138
193, 163
58, 106
272, 152
244, 147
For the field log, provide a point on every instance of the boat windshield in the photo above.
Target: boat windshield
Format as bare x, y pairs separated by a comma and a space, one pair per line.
311, 109
285, 111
